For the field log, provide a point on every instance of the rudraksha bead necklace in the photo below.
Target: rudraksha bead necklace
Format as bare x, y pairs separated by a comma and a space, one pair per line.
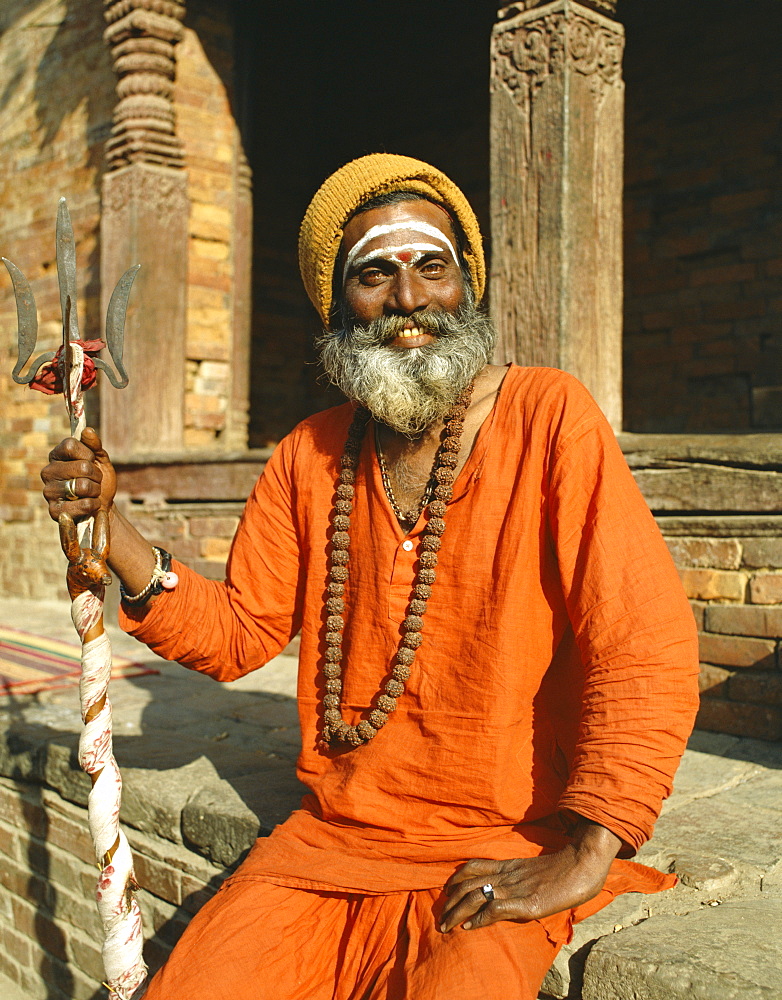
335, 729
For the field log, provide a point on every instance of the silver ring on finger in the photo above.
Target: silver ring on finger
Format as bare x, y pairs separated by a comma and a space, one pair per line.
70, 490
488, 892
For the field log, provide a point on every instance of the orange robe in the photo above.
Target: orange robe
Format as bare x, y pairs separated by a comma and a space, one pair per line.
558, 671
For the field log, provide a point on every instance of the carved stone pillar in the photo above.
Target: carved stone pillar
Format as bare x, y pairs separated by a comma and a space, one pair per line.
239, 401
145, 220
556, 198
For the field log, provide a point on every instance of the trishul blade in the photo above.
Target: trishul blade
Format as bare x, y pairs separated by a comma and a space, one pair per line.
27, 320
115, 327
66, 272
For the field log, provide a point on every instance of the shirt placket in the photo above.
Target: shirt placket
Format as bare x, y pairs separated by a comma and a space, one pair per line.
402, 576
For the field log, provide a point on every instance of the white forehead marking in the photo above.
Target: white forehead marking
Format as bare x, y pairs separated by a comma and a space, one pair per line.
414, 251
412, 226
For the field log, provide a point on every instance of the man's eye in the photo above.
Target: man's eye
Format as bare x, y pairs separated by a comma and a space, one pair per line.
433, 268
371, 276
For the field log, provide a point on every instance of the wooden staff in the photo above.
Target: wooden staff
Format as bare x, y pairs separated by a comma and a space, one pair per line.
86, 547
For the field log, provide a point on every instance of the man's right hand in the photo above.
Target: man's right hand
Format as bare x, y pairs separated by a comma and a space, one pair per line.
83, 467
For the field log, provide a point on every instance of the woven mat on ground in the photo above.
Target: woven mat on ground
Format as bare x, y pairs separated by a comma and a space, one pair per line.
30, 663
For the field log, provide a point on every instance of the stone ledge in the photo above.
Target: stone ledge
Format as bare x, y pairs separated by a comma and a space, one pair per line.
739, 956
216, 804
748, 451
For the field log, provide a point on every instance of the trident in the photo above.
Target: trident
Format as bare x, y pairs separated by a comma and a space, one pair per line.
71, 369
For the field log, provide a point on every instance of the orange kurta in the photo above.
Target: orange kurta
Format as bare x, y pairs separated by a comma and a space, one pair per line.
558, 667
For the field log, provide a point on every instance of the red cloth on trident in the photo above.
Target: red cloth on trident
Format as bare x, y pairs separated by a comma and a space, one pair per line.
48, 379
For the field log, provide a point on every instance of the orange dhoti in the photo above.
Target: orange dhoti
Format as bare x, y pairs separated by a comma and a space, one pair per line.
256, 940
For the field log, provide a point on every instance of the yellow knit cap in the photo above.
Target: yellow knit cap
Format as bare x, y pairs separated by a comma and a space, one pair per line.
341, 194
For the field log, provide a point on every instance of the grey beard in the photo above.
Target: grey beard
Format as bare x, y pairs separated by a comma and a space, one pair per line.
408, 389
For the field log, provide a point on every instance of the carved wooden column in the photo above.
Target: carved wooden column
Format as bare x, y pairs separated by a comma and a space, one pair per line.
556, 199
145, 220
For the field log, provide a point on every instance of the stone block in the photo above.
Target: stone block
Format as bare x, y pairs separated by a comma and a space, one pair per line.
736, 651
764, 552
70, 836
742, 719
705, 873
86, 955
698, 613
158, 783
157, 878
16, 946
79, 909
713, 584
219, 527
22, 751
215, 549
705, 553
743, 619
723, 952
757, 688
210, 569
766, 588
713, 681
20, 806
217, 822
224, 819
206, 249
62, 771
564, 978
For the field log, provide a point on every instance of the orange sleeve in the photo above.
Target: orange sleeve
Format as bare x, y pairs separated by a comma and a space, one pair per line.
633, 626
228, 629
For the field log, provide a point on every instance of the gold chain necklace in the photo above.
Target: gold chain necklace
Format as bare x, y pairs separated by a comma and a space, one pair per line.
413, 513
335, 729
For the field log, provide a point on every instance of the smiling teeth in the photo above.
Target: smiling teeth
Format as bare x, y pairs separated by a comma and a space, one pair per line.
415, 332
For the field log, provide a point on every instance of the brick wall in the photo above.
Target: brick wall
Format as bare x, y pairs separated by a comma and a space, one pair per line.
56, 98
735, 587
206, 126
703, 217
49, 925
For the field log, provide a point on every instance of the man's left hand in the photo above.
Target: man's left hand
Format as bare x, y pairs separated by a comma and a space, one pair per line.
531, 888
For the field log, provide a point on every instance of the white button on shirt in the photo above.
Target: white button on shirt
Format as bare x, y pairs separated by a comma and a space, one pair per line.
407, 545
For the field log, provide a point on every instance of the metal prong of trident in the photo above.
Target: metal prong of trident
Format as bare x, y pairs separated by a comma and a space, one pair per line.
87, 549
66, 276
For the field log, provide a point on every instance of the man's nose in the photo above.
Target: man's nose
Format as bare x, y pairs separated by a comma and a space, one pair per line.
410, 292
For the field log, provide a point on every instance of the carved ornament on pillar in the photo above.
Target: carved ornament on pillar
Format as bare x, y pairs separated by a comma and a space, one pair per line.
512, 7
143, 35
557, 120
526, 56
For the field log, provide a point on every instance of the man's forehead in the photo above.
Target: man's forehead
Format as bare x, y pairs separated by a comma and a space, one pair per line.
385, 232
420, 217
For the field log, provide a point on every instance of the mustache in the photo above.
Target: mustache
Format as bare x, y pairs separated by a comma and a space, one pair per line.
437, 322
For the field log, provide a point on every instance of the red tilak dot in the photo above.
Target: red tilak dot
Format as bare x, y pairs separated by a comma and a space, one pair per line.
404, 256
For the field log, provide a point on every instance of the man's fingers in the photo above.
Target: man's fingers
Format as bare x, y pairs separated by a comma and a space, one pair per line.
463, 904
63, 471
468, 898
70, 450
90, 437
63, 489
497, 909
476, 868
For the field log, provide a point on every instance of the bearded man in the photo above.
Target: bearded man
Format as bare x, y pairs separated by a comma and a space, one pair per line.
498, 665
